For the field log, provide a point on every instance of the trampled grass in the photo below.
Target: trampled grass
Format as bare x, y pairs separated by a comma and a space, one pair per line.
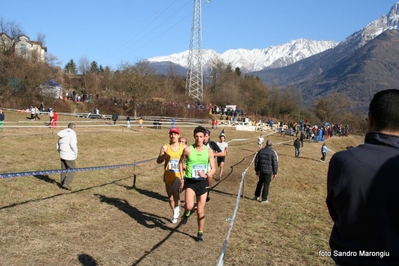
104, 221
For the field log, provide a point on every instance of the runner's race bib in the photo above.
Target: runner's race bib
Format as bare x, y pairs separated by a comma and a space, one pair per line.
197, 168
173, 166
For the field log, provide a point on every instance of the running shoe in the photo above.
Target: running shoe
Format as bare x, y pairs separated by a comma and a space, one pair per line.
200, 237
185, 217
65, 186
176, 214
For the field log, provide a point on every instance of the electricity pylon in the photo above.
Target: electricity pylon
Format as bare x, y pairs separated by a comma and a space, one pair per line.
194, 81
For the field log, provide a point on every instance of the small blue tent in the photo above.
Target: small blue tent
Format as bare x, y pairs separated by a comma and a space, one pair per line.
53, 88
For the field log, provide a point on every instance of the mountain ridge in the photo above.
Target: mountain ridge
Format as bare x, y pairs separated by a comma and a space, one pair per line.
359, 66
371, 68
319, 75
255, 59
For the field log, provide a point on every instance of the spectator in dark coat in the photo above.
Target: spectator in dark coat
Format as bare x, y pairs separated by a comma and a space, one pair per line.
362, 190
2, 118
266, 167
297, 146
301, 138
114, 117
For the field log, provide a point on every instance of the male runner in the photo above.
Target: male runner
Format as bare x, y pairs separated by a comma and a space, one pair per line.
183, 140
198, 177
170, 154
216, 150
224, 147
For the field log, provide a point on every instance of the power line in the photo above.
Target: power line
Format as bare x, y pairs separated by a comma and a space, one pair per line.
162, 33
136, 36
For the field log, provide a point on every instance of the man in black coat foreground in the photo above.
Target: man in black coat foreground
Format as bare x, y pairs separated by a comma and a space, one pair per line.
362, 191
266, 167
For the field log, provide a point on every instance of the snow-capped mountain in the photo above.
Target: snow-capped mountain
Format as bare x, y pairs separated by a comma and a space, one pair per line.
288, 53
375, 28
357, 67
256, 59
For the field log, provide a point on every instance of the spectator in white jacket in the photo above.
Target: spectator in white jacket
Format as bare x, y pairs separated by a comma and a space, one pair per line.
67, 146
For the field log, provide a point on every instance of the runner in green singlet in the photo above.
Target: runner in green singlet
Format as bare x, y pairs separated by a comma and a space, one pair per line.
198, 177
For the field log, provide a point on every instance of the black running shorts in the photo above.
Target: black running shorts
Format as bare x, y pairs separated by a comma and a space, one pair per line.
200, 187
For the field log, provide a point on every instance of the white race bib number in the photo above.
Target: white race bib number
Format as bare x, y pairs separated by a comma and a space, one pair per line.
197, 168
173, 166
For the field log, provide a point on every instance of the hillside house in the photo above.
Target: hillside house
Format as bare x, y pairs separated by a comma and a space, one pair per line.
23, 46
6, 43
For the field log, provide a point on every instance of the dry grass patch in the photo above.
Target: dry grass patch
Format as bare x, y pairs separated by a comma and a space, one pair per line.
103, 221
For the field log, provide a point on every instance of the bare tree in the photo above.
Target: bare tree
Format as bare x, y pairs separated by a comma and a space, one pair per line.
107, 75
84, 65
275, 99
254, 94
22, 80
53, 60
11, 28
41, 37
332, 107
10, 31
137, 80
84, 68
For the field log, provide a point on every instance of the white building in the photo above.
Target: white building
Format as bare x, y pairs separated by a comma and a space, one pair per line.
6, 43
23, 46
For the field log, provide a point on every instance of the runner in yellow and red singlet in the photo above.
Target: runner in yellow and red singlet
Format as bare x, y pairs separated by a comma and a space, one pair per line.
170, 154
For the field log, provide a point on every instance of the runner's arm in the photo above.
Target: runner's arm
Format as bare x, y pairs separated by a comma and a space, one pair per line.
185, 154
217, 152
211, 171
161, 156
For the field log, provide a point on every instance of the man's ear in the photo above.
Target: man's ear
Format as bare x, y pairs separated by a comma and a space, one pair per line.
370, 122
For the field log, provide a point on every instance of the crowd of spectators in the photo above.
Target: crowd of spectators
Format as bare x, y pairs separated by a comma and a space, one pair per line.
228, 115
313, 132
75, 97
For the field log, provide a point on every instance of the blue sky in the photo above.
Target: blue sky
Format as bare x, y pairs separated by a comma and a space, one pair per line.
111, 32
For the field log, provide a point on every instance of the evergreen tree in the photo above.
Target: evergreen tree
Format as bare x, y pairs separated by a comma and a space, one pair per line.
70, 68
94, 67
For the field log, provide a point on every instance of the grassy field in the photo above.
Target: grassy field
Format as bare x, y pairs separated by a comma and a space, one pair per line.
104, 221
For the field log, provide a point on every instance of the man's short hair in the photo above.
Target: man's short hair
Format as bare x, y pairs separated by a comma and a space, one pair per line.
71, 125
384, 109
199, 129
269, 142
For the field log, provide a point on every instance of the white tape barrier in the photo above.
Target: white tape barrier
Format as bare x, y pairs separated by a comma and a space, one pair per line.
231, 220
